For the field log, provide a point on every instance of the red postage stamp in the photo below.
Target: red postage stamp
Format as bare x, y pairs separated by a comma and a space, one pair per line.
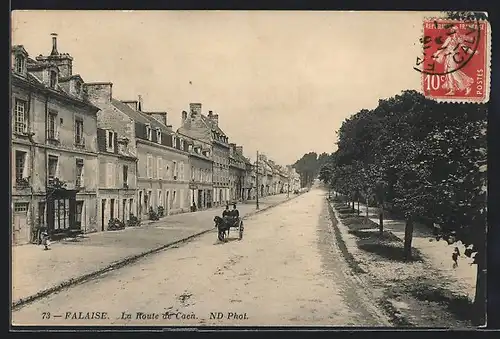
455, 64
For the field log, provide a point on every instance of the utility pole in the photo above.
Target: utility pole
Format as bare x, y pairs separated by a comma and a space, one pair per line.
257, 182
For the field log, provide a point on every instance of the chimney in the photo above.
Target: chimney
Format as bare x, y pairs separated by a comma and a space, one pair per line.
195, 108
139, 103
99, 92
239, 150
184, 116
215, 119
210, 114
233, 146
54, 44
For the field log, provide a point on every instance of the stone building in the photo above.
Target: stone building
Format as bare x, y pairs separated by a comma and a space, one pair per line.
206, 128
162, 170
237, 168
117, 178
200, 164
54, 148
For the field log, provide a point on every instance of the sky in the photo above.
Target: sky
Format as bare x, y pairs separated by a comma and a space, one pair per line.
282, 82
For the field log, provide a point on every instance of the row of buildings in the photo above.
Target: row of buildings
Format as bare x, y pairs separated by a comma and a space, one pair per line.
81, 157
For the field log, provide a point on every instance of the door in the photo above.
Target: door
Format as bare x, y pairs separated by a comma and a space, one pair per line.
167, 202
20, 223
124, 210
103, 214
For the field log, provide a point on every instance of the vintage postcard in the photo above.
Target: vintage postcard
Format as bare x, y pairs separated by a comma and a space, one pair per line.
249, 168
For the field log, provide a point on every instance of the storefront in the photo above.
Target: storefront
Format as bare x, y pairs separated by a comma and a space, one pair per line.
62, 212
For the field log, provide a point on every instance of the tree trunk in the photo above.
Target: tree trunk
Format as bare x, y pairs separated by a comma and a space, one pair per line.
358, 205
408, 238
353, 205
480, 296
381, 219
367, 209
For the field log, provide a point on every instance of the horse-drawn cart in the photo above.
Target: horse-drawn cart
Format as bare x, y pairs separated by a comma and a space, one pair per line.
225, 224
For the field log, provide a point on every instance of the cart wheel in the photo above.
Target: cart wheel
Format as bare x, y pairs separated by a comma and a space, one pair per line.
241, 231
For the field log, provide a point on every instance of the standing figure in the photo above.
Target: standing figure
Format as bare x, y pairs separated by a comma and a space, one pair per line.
45, 241
456, 79
454, 256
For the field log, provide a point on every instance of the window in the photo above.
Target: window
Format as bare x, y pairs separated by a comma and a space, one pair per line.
158, 135
53, 79
148, 132
159, 168
174, 141
52, 126
125, 176
190, 148
78, 88
21, 166
20, 64
149, 169
175, 170
21, 118
21, 207
181, 171
110, 141
192, 172
79, 173
79, 140
78, 214
52, 170
182, 144
110, 171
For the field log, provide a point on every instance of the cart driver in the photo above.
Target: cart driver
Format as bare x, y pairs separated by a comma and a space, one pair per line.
235, 213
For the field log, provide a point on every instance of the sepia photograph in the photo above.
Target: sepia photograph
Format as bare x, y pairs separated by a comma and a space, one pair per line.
248, 168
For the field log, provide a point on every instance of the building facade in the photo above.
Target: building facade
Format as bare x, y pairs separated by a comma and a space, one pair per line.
54, 147
200, 183
206, 129
117, 178
237, 168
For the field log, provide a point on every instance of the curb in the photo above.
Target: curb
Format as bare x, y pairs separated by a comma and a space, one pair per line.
123, 262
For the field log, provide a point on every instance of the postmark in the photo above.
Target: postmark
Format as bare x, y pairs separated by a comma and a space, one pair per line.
455, 63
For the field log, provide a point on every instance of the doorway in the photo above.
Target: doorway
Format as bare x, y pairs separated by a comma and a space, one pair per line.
103, 213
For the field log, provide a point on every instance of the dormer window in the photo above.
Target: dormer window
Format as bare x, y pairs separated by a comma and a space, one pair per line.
190, 148
158, 135
110, 141
198, 150
53, 79
20, 64
174, 141
78, 88
148, 132
182, 144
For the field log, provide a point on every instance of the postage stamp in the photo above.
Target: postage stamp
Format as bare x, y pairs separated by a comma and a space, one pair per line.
455, 64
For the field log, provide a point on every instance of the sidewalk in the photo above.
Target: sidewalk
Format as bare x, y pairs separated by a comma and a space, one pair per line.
35, 270
437, 253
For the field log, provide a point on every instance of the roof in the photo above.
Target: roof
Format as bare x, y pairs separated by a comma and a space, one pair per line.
212, 126
139, 116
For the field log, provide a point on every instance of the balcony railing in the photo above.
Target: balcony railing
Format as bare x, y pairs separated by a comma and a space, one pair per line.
79, 140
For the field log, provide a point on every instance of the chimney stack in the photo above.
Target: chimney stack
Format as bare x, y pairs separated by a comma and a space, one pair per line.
239, 150
139, 103
195, 108
54, 44
215, 119
99, 92
184, 116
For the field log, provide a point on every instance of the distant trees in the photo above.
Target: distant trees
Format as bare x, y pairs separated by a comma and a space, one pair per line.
424, 161
309, 165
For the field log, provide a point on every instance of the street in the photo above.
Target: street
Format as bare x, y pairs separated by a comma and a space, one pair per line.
287, 270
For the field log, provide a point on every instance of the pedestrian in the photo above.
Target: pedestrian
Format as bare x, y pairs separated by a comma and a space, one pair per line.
235, 212
454, 256
45, 241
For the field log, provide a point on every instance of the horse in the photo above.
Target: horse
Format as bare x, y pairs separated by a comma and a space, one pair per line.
222, 227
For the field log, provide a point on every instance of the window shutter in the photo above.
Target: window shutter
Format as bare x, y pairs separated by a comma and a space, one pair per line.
82, 176
160, 168
26, 166
101, 139
57, 169
108, 174
115, 142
